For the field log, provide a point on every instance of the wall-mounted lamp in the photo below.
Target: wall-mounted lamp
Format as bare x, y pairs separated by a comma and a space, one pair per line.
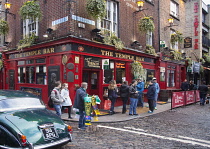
97, 34
7, 7
140, 4
48, 31
171, 23
136, 45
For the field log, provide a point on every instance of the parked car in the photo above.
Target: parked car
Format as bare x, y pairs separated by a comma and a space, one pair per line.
26, 123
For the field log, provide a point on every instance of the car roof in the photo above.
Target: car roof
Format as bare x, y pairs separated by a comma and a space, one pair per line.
5, 94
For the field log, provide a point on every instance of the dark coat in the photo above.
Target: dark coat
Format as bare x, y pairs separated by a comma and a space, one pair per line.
203, 89
132, 92
79, 99
151, 92
124, 90
112, 93
185, 86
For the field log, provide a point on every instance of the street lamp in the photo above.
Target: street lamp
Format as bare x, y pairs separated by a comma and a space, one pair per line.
7, 7
171, 23
140, 4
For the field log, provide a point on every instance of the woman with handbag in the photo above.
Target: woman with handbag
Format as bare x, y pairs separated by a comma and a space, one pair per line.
67, 101
133, 98
112, 94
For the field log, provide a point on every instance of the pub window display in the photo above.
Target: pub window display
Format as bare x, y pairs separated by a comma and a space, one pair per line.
170, 78
109, 72
35, 74
120, 73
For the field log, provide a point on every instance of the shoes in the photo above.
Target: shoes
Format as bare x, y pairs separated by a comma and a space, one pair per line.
81, 128
135, 114
70, 117
111, 112
150, 111
155, 108
123, 112
131, 114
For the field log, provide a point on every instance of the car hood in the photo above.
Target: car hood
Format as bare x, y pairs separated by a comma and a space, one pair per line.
29, 122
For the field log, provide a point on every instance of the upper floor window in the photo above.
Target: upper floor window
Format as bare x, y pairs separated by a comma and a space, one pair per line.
30, 26
149, 38
174, 9
110, 22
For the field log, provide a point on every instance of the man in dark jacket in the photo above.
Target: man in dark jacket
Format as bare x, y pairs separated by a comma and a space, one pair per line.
185, 85
151, 96
203, 92
124, 94
79, 104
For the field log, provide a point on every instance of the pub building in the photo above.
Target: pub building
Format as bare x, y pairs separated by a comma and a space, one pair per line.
74, 60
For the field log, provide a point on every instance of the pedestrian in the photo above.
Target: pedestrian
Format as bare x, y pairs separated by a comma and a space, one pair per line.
67, 100
140, 89
185, 85
79, 104
203, 92
112, 95
56, 98
124, 94
151, 95
192, 86
157, 90
133, 98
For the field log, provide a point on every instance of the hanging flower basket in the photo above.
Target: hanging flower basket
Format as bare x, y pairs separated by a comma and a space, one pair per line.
136, 69
1, 64
96, 8
4, 27
30, 9
146, 24
176, 37
176, 55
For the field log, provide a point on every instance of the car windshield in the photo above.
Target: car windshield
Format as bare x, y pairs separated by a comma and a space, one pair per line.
20, 103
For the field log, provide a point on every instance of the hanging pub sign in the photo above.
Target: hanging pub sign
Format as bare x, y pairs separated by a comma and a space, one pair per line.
188, 42
91, 62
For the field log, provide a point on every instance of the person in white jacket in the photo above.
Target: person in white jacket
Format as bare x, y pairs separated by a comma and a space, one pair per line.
67, 100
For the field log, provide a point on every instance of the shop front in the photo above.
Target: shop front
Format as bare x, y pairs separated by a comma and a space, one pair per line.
73, 61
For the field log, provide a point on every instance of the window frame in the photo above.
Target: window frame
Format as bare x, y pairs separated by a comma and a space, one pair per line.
149, 38
114, 21
30, 23
174, 9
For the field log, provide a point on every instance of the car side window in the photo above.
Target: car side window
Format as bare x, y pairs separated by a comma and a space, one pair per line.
7, 139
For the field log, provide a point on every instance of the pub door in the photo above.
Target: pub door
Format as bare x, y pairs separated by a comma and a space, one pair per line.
92, 78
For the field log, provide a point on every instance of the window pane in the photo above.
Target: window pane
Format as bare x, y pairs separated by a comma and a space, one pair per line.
21, 74
30, 74
41, 60
109, 72
29, 61
120, 73
41, 75
21, 62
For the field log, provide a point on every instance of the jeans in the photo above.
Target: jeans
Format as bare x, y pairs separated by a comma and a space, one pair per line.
140, 100
124, 100
57, 109
202, 98
133, 105
155, 101
151, 104
81, 119
113, 100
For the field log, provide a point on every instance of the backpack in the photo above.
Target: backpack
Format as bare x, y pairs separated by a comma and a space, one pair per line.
50, 101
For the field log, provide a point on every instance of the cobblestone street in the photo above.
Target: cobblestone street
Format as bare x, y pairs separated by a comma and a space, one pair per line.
181, 128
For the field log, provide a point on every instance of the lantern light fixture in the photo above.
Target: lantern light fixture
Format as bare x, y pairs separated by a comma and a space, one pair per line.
140, 4
171, 23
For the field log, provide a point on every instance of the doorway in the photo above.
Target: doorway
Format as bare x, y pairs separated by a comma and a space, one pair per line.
92, 78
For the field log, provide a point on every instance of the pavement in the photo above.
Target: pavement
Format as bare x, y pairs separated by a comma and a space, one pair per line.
119, 117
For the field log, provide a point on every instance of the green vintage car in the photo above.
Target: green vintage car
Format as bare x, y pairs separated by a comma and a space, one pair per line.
26, 123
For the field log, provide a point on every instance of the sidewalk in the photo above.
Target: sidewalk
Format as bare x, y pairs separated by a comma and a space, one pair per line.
119, 117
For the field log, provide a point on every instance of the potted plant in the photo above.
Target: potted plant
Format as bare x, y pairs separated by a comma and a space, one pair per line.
136, 69
96, 8
30, 9
4, 27
146, 24
176, 37
176, 55
27, 41
150, 50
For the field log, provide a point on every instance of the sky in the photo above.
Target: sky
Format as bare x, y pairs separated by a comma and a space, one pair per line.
206, 1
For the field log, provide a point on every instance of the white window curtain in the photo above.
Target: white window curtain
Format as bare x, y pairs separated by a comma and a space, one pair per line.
149, 38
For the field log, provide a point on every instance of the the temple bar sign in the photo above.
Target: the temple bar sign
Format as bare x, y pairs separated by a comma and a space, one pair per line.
91, 62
